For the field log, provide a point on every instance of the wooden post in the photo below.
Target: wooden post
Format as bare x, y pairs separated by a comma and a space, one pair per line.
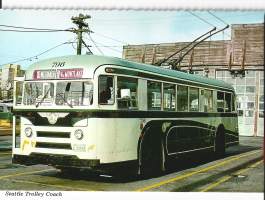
154, 55
143, 55
230, 62
191, 60
243, 56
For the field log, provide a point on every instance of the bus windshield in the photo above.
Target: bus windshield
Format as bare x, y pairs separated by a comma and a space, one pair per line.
37, 93
75, 93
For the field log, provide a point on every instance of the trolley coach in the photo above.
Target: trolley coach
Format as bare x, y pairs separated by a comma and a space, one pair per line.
99, 112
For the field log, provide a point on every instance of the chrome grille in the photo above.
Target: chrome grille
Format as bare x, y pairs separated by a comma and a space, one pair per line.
49, 134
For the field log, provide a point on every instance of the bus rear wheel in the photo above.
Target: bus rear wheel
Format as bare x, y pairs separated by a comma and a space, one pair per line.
152, 158
220, 141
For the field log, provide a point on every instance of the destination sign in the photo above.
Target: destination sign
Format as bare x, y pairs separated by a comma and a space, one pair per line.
58, 74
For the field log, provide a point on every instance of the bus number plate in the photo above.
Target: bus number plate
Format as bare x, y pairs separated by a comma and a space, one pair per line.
79, 147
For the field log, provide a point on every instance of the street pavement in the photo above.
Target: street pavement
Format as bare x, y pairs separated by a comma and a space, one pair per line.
5, 142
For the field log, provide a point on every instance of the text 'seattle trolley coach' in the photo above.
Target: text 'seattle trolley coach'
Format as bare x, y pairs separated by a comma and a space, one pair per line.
97, 112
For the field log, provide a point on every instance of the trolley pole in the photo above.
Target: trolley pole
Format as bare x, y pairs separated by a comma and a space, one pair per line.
82, 26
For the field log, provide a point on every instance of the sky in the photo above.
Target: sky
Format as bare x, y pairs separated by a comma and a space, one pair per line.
112, 30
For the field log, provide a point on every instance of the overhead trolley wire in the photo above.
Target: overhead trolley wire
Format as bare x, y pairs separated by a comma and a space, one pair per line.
207, 22
36, 56
202, 19
217, 18
221, 20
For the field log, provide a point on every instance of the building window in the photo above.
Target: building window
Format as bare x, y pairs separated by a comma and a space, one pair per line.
240, 89
182, 98
249, 113
127, 93
106, 90
250, 89
154, 96
194, 99
250, 73
261, 97
250, 105
169, 96
251, 81
240, 81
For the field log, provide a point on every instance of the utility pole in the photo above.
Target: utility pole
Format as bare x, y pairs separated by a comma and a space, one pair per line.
82, 26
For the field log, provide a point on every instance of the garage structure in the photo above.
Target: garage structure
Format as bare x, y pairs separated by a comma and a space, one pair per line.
239, 61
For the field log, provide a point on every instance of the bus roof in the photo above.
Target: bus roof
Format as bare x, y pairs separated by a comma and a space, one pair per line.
90, 62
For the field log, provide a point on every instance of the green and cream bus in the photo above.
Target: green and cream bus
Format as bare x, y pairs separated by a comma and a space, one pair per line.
99, 112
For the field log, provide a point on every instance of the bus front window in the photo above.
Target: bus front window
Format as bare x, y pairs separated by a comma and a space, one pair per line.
74, 93
37, 93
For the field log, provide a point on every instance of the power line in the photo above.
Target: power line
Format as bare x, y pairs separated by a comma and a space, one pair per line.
102, 45
36, 56
30, 28
111, 38
200, 18
95, 44
31, 31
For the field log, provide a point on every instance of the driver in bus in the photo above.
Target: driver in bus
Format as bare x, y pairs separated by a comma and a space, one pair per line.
106, 94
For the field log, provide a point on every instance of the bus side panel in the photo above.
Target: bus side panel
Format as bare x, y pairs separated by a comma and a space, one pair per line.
117, 139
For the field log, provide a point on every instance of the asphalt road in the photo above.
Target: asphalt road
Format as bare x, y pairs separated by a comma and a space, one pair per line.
240, 170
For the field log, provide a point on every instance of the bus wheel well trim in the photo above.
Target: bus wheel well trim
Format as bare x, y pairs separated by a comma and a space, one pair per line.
220, 132
147, 131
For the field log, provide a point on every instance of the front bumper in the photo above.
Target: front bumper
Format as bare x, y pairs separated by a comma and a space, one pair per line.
54, 160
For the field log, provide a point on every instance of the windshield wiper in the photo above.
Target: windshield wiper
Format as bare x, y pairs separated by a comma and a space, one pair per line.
42, 99
69, 104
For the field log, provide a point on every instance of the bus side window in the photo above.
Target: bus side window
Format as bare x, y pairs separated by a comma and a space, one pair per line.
182, 98
154, 97
169, 96
106, 90
228, 102
220, 102
233, 103
194, 99
208, 101
127, 93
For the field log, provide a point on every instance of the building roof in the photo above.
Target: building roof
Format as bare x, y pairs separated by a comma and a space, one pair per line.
91, 62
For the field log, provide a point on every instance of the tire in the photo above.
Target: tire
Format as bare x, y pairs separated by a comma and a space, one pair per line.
220, 141
152, 157
68, 170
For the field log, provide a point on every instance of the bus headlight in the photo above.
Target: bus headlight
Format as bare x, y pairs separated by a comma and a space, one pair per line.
79, 134
28, 132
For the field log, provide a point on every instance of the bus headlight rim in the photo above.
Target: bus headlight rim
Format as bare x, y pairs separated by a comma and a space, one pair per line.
79, 134
28, 132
